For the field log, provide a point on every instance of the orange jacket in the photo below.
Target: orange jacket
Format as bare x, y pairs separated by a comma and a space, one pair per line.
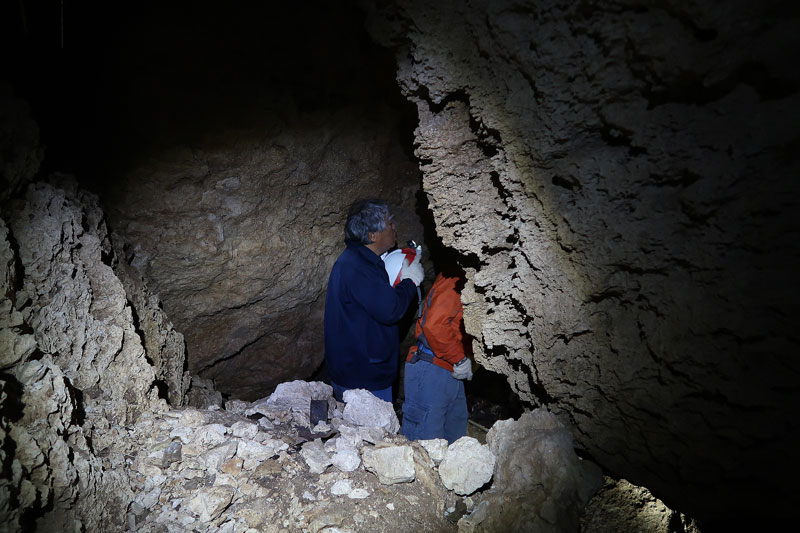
442, 324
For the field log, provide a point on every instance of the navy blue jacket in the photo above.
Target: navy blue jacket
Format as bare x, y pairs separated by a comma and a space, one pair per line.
361, 315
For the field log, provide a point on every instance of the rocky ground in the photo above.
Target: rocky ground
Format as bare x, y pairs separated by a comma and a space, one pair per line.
261, 466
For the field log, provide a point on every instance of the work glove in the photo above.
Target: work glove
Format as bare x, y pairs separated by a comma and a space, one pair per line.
413, 271
462, 370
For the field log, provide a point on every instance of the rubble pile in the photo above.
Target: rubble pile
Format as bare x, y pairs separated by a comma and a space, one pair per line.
260, 467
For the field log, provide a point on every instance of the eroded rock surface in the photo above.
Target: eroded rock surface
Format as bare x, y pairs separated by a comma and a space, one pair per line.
75, 372
622, 506
616, 178
539, 482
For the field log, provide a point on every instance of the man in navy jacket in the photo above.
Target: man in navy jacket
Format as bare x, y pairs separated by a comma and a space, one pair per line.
361, 307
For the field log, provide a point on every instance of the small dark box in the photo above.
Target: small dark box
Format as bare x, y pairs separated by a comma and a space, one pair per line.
319, 412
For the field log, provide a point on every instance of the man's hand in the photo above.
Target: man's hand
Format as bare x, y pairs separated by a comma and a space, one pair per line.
463, 369
413, 271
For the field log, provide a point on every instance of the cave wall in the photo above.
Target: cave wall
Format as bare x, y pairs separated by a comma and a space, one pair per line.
240, 137
85, 351
238, 237
620, 179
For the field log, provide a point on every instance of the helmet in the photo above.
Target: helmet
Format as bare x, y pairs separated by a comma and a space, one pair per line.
393, 262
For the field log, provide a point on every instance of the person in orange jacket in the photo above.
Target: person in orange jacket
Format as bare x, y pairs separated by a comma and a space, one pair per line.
435, 405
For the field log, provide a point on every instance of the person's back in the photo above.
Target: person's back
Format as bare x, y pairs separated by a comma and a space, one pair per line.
435, 404
362, 309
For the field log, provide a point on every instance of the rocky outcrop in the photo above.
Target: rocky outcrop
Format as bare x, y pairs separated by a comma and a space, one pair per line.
617, 180
75, 373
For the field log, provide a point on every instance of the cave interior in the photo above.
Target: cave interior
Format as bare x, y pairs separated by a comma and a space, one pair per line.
189, 111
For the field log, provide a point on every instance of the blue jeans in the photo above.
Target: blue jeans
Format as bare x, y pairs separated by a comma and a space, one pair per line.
435, 406
383, 394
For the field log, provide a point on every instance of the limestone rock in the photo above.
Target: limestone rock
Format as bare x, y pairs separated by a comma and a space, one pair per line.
622, 223
346, 459
341, 487
253, 452
209, 503
90, 379
392, 464
622, 506
362, 408
467, 466
163, 345
201, 393
436, 449
295, 397
314, 454
537, 469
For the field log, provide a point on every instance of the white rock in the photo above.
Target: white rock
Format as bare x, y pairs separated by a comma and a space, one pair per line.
225, 479
192, 418
392, 464
216, 457
314, 454
467, 466
321, 427
236, 407
436, 449
365, 409
209, 502
149, 499
341, 487
346, 459
244, 430
185, 434
349, 435
210, 435
294, 397
358, 494
254, 453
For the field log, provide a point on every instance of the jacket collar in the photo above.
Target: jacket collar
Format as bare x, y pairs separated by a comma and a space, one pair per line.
364, 252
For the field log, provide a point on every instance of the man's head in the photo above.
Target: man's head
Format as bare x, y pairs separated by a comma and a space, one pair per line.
370, 223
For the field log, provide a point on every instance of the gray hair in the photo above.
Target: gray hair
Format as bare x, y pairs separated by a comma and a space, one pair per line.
364, 217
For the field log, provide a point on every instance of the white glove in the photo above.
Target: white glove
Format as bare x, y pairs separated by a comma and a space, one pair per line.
413, 271
463, 369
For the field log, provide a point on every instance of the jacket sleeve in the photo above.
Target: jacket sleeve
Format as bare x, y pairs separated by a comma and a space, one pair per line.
384, 303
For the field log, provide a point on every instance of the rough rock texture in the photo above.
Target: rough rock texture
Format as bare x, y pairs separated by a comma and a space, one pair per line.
467, 466
621, 506
539, 483
238, 238
162, 343
234, 211
235, 474
620, 179
75, 374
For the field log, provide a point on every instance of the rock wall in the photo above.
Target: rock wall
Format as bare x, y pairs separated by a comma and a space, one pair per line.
619, 179
233, 203
237, 236
76, 367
